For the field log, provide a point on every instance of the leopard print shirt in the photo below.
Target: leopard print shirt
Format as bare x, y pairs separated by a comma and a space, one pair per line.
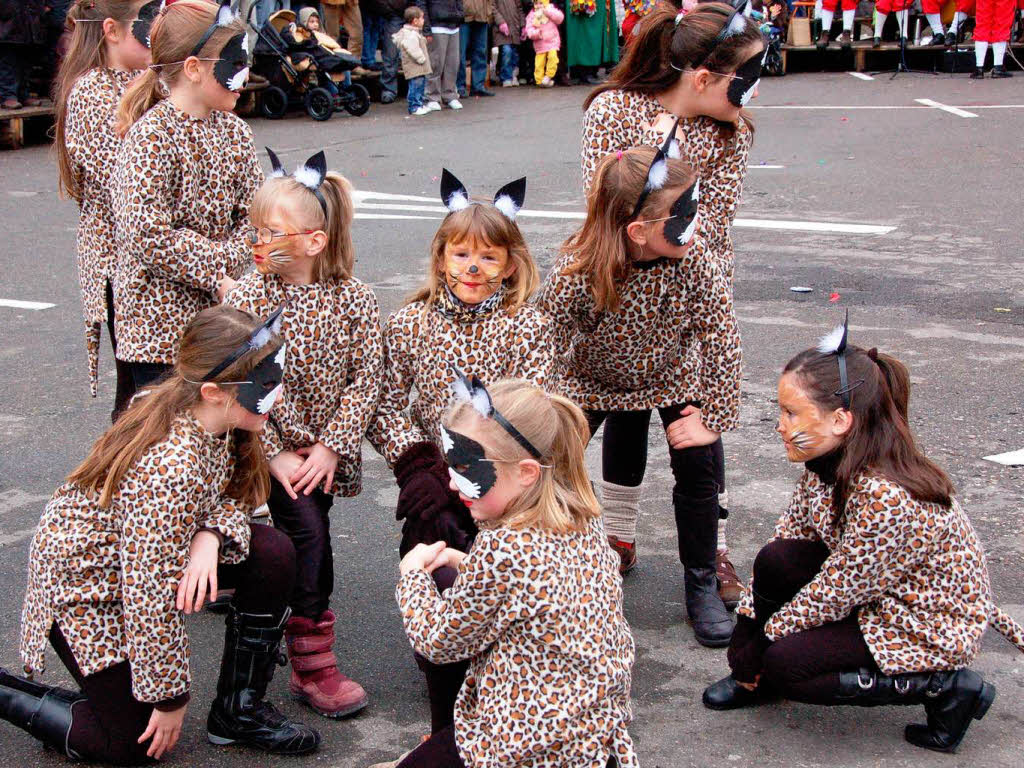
92, 145
181, 191
108, 576
539, 616
422, 347
913, 571
673, 340
617, 120
332, 367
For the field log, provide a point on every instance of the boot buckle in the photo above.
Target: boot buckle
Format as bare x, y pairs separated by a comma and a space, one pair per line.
902, 685
865, 683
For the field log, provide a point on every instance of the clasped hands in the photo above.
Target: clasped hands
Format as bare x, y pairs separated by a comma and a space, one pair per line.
430, 557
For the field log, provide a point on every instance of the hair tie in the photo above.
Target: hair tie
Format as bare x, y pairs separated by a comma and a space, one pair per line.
873, 353
679, 17
618, 154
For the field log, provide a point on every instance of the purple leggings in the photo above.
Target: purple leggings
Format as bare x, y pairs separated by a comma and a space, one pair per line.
106, 726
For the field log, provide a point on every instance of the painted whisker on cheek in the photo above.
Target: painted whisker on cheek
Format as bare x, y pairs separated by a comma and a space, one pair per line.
802, 440
280, 257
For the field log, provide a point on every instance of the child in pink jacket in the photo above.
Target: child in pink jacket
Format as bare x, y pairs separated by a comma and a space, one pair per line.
542, 27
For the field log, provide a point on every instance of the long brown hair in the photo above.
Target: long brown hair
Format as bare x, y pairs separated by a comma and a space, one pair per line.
601, 245
562, 500
880, 439
660, 49
175, 32
86, 52
337, 259
487, 224
209, 338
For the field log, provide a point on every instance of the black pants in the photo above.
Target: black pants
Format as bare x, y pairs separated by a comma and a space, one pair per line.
444, 681
804, 666
106, 726
439, 751
125, 381
138, 376
307, 522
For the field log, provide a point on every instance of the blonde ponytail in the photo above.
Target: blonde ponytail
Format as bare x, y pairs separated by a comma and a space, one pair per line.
142, 94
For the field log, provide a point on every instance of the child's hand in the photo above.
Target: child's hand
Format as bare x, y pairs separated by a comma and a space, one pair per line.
164, 728
503, 28
200, 574
224, 287
689, 431
283, 466
420, 556
320, 464
449, 556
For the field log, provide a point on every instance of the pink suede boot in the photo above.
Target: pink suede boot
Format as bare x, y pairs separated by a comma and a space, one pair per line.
315, 677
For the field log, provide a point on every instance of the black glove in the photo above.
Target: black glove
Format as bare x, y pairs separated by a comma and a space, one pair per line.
746, 649
423, 480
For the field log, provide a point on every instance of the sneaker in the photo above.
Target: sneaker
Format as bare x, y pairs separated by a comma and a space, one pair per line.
421, 111
547, 82
626, 550
454, 104
433, 106
516, 82
482, 92
507, 83
730, 589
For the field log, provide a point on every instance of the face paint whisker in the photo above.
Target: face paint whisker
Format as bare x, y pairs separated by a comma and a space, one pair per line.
802, 440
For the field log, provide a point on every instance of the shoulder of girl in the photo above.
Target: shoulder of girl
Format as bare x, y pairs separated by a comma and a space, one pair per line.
871, 488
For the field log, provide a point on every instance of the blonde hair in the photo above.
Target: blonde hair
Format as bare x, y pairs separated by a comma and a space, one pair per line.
209, 338
562, 499
601, 245
86, 51
175, 32
337, 259
485, 223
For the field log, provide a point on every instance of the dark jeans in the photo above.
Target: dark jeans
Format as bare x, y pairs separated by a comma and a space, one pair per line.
417, 87
371, 37
306, 521
473, 41
439, 751
106, 726
378, 30
804, 666
508, 60
13, 76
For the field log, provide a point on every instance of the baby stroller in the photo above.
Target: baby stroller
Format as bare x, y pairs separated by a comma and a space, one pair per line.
296, 79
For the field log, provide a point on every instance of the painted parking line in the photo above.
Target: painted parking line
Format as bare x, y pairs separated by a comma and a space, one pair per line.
946, 108
860, 75
16, 304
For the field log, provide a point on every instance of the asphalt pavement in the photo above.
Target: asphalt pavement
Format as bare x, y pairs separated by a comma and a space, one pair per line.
903, 211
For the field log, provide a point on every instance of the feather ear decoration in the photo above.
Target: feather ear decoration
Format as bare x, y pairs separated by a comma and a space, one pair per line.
277, 170
310, 174
454, 194
257, 340
226, 16
509, 199
657, 174
835, 343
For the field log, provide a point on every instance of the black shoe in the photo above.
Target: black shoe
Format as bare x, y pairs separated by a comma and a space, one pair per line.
239, 715
877, 42
822, 43
728, 694
939, 39
565, 81
1000, 72
387, 97
846, 40
481, 92
593, 80
44, 712
374, 66
951, 701
978, 73
697, 525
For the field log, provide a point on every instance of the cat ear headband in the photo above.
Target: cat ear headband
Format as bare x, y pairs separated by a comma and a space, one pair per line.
509, 199
835, 343
657, 174
735, 25
310, 174
471, 390
257, 340
226, 16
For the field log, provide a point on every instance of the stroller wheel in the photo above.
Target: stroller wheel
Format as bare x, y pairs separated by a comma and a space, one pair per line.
319, 104
273, 103
356, 100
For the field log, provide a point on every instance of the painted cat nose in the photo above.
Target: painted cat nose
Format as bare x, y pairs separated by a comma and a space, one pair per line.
473, 269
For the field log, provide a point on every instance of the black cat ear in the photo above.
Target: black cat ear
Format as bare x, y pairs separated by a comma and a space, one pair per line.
471, 390
510, 198
454, 194
657, 175
834, 342
276, 169
313, 172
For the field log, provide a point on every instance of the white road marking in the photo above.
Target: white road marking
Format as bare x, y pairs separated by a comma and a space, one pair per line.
1008, 459
16, 304
860, 75
946, 108
13, 499
844, 108
362, 196
764, 167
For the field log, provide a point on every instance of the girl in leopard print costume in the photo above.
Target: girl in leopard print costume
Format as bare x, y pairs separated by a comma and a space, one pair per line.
182, 184
302, 246
156, 516
645, 320
537, 603
873, 589
471, 316
109, 47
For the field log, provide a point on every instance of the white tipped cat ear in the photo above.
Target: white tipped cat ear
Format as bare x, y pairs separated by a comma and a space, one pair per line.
737, 25
276, 169
454, 194
226, 15
510, 198
834, 342
312, 173
472, 391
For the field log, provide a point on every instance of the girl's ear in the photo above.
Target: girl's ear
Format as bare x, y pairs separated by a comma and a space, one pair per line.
316, 243
111, 31
211, 393
510, 269
529, 472
193, 69
701, 79
841, 422
637, 232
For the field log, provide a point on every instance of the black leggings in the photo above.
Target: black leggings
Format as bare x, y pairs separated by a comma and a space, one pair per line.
106, 726
307, 522
804, 666
699, 472
125, 383
440, 751
444, 681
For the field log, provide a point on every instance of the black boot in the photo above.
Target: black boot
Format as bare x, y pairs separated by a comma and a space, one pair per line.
978, 74
951, 701
43, 711
1000, 71
697, 524
252, 646
728, 694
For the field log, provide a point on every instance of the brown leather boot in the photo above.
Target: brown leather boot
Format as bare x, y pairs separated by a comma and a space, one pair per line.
315, 678
626, 550
730, 588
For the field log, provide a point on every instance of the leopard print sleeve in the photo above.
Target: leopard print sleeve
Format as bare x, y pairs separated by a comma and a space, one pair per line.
358, 402
230, 518
715, 321
722, 188
562, 298
609, 124
481, 605
392, 429
535, 356
883, 539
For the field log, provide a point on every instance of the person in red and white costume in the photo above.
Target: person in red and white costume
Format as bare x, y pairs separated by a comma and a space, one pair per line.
992, 28
902, 7
827, 14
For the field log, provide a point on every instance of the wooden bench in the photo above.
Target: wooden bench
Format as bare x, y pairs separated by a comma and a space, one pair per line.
861, 50
12, 123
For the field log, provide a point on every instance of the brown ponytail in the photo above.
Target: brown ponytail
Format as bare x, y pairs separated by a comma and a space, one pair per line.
85, 52
175, 32
209, 338
880, 439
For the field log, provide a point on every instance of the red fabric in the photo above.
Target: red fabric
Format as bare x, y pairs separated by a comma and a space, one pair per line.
888, 6
833, 5
931, 6
994, 19
630, 19
966, 6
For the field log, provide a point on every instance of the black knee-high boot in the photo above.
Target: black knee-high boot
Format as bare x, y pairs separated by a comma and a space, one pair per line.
43, 711
697, 526
252, 650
